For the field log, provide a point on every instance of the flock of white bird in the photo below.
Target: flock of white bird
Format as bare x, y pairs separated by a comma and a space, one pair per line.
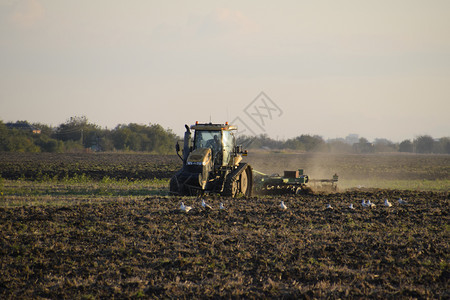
370, 204
205, 205
364, 204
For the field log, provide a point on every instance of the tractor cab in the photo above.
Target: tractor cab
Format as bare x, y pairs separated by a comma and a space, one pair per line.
219, 138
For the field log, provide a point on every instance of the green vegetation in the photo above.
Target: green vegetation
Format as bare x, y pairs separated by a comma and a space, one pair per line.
79, 135
308, 143
397, 184
77, 189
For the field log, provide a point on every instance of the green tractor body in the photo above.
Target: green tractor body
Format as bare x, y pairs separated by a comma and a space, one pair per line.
212, 163
292, 182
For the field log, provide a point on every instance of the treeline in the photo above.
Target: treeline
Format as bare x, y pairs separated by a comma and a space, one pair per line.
79, 135
308, 143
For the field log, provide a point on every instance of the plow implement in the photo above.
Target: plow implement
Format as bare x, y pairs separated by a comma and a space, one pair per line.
292, 182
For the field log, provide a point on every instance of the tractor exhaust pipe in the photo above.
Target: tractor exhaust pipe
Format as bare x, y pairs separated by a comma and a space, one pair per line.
187, 142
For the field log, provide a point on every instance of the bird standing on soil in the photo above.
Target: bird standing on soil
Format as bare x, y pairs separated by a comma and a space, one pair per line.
351, 206
204, 205
370, 204
401, 201
329, 207
363, 203
282, 205
387, 203
185, 208
221, 206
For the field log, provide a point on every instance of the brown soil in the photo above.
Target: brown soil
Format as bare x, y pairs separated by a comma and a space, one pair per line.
148, 248
32, 166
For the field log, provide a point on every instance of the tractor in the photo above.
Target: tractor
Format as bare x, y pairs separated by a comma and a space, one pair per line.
212, 163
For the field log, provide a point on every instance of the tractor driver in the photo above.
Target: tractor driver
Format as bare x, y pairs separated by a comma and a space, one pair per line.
214, 144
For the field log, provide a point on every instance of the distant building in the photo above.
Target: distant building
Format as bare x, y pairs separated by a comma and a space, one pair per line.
23, 126
352, 139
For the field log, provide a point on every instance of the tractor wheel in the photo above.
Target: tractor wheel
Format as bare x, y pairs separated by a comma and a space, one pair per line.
231, 188
173, 186
243, 181
242, 184
246, 182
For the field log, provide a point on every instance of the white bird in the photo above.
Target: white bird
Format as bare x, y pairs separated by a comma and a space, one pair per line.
204, 205
329, 206
401, 201
363, 203
185, 208
387, 203
282, 205
351, 206
370, 204
221, 206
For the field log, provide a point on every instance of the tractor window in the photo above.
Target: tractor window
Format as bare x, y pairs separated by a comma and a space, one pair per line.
208, 139
228, 143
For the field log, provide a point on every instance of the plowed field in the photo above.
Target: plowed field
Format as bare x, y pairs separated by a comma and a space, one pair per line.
149, 248
32, 166
66, 242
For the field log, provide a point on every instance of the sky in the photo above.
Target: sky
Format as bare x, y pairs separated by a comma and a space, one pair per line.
379, 69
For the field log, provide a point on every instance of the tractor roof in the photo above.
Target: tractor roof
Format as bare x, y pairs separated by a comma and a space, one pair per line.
211, 126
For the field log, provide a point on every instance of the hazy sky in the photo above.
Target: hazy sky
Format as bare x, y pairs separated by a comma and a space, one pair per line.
380, 69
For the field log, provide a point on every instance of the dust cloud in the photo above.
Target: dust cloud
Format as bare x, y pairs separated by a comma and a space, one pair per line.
384, 170
316, 166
